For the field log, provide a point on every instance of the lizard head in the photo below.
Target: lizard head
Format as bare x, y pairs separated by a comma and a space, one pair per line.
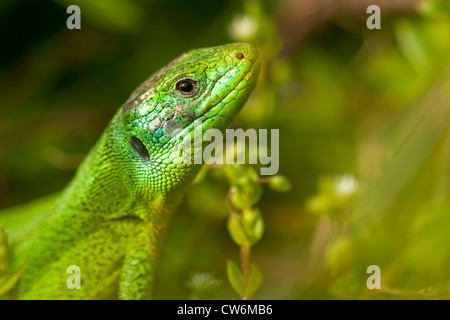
209, 85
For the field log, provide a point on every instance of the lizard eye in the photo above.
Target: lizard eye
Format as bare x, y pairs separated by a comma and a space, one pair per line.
186, 87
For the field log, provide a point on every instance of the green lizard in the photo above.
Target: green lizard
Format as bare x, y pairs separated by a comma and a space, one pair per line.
107, 220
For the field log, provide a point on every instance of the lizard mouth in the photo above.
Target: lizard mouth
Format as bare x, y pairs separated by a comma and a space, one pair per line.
231, 90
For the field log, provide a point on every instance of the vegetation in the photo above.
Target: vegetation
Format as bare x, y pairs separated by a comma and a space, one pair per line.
363, 117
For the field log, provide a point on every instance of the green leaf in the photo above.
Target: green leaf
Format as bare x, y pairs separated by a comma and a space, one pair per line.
246, 229
253, 225
235, 277
319, 204
5, 253
280, 183
246, 191
254, 282
237, 231
236, 199
339, 254
411, 45
8, 282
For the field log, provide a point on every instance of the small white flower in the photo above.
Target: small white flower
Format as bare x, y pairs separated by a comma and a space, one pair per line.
203, 281
345, 184
243, 27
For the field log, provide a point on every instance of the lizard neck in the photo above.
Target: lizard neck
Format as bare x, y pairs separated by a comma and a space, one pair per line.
104, 186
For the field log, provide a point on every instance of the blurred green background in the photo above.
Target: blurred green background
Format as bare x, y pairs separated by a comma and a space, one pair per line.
364, 133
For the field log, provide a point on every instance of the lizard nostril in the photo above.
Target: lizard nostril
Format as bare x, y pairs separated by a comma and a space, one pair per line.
140, 148
240, 55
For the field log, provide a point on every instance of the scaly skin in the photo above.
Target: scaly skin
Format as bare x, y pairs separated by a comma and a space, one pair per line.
107, 220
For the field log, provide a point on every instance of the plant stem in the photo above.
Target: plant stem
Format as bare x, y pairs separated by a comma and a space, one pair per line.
264, 180
245, 258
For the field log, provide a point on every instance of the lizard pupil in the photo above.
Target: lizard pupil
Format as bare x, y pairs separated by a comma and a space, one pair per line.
186, 86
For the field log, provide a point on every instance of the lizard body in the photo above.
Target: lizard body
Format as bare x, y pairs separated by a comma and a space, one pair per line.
107, 220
